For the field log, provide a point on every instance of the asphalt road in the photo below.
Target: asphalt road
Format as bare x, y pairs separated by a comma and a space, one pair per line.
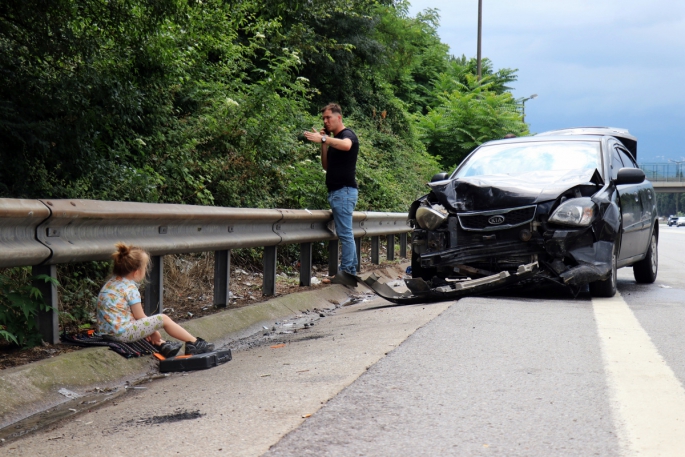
499, 376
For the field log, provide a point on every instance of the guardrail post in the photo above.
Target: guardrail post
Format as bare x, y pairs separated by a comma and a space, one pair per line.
305, 264
403, 245
269, 284
391, 247
154, 290
222, 278
333, 259
358, 248
375, 249
47, 321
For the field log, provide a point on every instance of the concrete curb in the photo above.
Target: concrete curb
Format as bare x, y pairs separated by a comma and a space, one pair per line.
33, 388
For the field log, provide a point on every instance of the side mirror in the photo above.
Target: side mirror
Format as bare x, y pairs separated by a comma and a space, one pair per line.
440, 176
630, 176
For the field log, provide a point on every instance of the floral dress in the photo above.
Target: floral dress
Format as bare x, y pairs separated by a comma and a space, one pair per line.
114, 314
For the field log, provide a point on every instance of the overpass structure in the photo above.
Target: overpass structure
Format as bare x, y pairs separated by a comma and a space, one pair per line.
665, 177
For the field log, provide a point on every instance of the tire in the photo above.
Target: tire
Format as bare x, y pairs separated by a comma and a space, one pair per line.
607, 288
646, 269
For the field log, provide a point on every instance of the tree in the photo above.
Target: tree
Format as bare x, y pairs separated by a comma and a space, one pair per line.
468, 116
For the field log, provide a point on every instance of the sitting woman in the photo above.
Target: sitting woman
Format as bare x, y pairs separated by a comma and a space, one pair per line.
120, 312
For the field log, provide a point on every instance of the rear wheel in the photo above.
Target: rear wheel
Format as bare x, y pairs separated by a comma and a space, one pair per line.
646, 269
607, 288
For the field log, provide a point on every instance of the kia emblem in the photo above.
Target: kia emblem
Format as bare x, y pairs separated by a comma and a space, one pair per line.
496, 220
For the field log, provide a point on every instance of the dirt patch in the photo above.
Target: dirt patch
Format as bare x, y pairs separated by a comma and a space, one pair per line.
189, 288
180, 415
14, 357
310, 337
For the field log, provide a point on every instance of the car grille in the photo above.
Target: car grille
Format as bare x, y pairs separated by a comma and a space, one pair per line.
486, 220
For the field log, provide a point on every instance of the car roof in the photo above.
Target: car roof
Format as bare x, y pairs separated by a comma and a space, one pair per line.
536, 139
622, 135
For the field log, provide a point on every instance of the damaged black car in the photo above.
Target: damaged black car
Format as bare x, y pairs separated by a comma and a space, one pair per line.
569, 207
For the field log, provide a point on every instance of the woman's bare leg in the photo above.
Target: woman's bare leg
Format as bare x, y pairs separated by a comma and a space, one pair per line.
175, 330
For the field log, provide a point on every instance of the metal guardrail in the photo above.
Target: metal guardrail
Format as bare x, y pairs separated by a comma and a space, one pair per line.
45, 233
18, 222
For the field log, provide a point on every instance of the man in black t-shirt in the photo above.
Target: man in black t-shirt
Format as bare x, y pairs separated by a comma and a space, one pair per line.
339, 159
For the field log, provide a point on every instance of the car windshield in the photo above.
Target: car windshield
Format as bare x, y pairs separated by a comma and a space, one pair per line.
520, 158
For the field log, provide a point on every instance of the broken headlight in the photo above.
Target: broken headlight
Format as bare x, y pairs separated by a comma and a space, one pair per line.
429, 218
576, 211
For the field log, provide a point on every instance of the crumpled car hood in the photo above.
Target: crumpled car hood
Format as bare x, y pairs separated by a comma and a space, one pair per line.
488, 192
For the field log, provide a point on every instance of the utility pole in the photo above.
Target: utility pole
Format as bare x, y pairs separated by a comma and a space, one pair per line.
523, 105
480, 33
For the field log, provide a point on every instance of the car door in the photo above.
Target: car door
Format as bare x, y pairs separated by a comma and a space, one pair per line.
647, 202
631, 210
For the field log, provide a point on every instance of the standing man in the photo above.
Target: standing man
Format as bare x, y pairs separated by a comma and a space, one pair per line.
339, 159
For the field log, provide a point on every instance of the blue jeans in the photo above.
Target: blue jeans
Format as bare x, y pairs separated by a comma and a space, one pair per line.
342, 203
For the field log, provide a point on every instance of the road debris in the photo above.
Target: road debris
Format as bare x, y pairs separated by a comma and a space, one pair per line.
68, 393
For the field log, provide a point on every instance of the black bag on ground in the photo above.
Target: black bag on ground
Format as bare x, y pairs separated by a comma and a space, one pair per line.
195, 362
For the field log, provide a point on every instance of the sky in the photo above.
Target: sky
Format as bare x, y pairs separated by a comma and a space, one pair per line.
617, 63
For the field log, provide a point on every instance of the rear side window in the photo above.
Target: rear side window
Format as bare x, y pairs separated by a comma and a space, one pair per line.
627, 158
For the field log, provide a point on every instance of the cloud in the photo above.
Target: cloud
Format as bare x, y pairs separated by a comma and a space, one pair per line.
592, 62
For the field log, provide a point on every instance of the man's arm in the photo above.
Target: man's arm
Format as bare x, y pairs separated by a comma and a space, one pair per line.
341, 144
324, 155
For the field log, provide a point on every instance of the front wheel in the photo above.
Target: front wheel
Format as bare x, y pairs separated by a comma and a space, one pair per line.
646, 269
607, 288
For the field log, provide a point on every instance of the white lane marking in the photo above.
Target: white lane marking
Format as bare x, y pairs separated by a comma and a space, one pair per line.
647, 399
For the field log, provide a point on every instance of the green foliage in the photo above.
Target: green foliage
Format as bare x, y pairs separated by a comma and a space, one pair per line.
468, 116
202, 102
460, 70
670, 204
413, 57
20, 303
79, 286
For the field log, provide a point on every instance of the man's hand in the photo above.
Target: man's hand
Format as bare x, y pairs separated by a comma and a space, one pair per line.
315, 136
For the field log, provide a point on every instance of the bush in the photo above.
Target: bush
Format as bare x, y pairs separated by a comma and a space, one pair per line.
20, 303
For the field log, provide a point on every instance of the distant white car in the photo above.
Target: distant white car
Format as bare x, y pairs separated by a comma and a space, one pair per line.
680, 222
